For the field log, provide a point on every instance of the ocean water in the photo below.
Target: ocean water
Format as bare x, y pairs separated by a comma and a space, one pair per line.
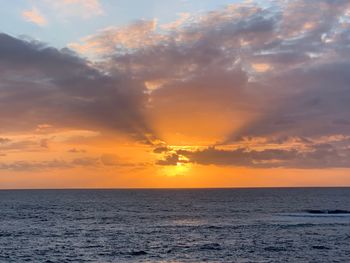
212, 225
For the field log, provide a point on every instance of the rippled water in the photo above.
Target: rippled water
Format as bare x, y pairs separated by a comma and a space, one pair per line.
236, 225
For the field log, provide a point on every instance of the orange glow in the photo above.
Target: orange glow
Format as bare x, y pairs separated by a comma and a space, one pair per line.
261, 67
179, 169
194, 177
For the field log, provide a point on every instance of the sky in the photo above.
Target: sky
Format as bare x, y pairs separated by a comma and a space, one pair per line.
174, 94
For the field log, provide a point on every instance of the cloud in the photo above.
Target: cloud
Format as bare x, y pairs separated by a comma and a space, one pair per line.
313, 103
25, 166
170, 159
306, 154
183, 18
161, 149
97, 162
84, 161
239, 157
131, 37
41, 84
27, 144
34, 16
85, 9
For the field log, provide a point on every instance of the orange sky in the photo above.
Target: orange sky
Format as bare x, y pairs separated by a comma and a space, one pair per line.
123, 164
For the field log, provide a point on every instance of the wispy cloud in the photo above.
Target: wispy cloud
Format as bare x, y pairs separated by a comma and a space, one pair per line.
131, 37
34, 16
183, 18
97, 162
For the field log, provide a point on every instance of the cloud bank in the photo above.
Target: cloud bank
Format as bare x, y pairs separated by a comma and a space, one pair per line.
42, 85
247, 71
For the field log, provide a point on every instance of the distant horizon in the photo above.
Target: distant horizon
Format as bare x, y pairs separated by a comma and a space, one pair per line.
198, 188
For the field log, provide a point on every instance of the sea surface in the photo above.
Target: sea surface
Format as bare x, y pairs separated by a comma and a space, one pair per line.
207, 225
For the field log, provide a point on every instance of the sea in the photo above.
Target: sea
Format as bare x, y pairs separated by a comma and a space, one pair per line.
192, 225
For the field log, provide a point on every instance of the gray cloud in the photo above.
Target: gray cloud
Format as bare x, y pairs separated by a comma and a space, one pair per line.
315, 157
315, 103
161, 149
32, 166
170, 159
103, 161
41, 84
207, 66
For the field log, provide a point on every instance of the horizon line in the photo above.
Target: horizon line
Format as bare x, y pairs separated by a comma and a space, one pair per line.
172, 188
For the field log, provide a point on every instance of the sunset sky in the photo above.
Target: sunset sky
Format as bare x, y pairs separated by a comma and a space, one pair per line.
174, 93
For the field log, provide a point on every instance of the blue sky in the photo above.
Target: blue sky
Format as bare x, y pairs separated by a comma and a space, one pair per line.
62, 28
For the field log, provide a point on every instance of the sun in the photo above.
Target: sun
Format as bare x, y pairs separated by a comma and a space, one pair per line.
178, 169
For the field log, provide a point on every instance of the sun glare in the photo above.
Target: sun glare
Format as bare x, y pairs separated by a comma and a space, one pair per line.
177, 170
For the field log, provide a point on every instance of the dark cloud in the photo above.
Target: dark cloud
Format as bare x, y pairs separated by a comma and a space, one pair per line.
170, 159
33, 166
315, 103
161, 149
315, 157
237, 157
42, 85
102, 161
